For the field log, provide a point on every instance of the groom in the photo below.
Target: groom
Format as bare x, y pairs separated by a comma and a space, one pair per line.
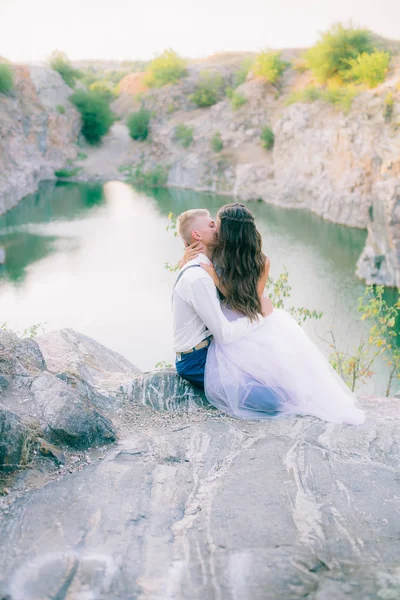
197, 313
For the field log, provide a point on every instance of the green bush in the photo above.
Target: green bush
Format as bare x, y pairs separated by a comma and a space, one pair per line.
332, 54
269, 65
240, 75
103, 88
308, 94
68, 172
369, 68
61, 109
169, 67
209, 89
184, 135
59, 62
216, 142
340, 96
237, 100
138, 124
156, 177
97, 116
6, 79
267, 137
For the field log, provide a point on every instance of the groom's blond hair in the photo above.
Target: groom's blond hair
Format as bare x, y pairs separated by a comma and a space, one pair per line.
185, 222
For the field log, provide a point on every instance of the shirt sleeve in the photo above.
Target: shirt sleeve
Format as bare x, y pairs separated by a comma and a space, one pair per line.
203, 298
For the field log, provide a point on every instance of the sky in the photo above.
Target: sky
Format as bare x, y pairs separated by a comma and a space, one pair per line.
131, 29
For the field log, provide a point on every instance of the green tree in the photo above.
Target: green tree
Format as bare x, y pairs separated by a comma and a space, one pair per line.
103, 89
332, 54
209, 89
369, 68
6, 79
60, 62
138, 124
240, 75
97, 116
268, 64
166, 68
237, 100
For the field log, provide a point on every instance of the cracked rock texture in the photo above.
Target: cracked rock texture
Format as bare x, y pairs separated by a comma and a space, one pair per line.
193, 504
39, 128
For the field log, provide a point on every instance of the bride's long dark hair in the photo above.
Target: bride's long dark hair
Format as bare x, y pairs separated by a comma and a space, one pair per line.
240, 258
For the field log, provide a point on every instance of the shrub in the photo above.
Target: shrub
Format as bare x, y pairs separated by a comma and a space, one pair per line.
267, 137
332, 54
6, 79
97, 116
156, 177
184, 135
68, 172
308, 94
240, 75
59, 62
269, 65
216, 142
237, 100
138, 124
209, 89
388, 110
61, 109
103, 89
340, 96
169, 67
369, 68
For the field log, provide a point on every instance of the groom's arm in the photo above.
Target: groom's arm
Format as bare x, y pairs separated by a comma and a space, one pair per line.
203, 298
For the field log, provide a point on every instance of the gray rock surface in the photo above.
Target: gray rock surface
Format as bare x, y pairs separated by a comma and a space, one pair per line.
14, 440
39, 128
201, 506
68, 405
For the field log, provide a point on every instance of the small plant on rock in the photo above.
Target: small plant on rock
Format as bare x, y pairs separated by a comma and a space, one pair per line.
184, 135
270, 66
237, 100
209, 89
388, 109
267, 137
216, 142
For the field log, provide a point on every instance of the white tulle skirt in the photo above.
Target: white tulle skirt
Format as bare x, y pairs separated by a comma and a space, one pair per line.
276, 370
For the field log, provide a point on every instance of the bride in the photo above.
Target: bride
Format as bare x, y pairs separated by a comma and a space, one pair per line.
275, 369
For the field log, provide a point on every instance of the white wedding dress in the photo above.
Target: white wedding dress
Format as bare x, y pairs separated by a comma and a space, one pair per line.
276, 370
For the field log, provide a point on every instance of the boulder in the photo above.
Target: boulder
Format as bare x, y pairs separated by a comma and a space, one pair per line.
14, 440
79, 356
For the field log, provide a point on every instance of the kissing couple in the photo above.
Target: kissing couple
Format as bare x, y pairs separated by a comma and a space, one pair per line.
253, 361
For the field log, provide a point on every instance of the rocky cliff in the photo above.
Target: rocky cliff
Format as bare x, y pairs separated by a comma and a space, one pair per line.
189, 503
342, 166
39, 128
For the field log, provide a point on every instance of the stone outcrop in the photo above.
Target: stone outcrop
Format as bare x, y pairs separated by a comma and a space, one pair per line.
66, 406
189, 503
14, 440
342, 166
39, 128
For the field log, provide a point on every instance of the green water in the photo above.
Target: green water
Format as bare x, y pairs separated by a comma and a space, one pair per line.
91, 257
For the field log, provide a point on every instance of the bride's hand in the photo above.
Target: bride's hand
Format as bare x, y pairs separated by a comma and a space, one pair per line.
212, 272
191, 252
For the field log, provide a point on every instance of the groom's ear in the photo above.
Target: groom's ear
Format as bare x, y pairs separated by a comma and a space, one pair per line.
196, 235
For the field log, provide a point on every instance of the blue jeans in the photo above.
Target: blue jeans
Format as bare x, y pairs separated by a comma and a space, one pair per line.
192, 366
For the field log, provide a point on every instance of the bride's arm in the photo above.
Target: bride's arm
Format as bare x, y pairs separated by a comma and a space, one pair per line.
212, 272
264, 278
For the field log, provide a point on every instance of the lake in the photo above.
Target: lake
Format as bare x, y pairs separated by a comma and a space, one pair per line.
92, 257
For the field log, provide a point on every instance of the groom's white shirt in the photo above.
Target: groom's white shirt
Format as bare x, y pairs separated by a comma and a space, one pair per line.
197, 311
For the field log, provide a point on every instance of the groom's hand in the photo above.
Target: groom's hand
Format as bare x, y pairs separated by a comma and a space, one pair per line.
191, 252
267, 306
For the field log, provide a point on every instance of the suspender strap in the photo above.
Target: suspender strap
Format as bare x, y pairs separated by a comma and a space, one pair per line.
179, 276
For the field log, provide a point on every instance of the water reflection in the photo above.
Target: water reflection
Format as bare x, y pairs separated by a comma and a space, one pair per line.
92, 258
